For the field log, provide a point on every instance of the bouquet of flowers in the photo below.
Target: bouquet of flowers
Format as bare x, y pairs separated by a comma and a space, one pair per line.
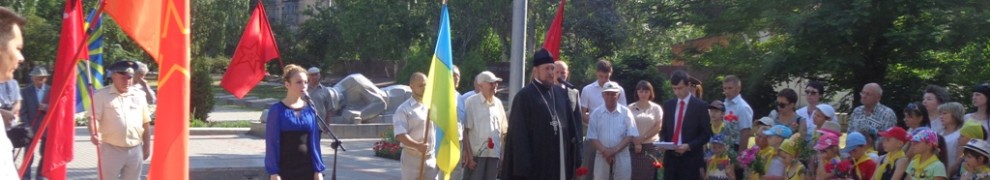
841, 169
751, 159
731, 117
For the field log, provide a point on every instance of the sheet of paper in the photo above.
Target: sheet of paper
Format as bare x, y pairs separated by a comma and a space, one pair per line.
664, 145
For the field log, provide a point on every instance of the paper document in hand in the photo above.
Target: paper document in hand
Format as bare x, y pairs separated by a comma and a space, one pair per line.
665, 145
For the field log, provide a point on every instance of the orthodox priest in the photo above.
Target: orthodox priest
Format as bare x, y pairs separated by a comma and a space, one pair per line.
544, 137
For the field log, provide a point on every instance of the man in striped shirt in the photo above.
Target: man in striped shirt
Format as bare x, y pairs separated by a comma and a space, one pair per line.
610, 129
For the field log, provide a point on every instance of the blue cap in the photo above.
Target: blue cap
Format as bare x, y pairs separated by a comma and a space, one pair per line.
778, 130
854, 140
717, 138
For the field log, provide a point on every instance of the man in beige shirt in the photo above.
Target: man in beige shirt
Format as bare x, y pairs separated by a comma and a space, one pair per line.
121, 124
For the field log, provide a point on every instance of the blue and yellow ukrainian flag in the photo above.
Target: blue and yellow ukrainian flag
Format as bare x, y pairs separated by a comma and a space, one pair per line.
441, 98
90, 78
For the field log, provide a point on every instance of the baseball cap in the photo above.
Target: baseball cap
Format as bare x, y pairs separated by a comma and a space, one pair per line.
718, 139
980, 146
789, 146
487, 77
830, 127
611, 87
313, 70
972, 129
827, 140
778, 130
766, 121
717, 105
896, 133
854, 140
827, 110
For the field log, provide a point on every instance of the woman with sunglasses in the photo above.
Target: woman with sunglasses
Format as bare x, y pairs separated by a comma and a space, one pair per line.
813, 93
786, 114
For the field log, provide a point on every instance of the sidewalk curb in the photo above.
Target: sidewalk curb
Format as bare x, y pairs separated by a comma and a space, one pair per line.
217, 131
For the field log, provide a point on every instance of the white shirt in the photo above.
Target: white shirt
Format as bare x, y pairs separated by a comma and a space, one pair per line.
410, 119
591, 96
7, 168
610, 127
741, 109
951, 140
486, 120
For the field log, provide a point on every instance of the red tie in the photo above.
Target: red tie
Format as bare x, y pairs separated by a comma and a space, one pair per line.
680, 120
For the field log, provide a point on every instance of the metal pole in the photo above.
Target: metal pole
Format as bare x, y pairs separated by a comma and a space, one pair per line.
517, 73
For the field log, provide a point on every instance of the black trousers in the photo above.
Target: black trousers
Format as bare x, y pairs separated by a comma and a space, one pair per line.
682, 166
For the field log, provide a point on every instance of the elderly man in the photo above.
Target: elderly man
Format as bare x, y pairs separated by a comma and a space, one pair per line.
610, 131
590, 99
319, 94
871, 114
484, 129
120, 125
410, 129
34, 107
141, 83
11, 43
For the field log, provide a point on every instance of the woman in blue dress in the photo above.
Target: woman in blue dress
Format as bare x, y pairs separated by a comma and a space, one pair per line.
292, 137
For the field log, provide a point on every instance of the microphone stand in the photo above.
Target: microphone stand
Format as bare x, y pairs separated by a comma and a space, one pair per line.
336, 144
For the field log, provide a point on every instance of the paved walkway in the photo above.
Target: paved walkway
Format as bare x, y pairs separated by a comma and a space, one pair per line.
239, 151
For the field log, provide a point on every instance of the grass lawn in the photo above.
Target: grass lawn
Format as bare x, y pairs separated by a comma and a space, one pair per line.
260, 91
224, 124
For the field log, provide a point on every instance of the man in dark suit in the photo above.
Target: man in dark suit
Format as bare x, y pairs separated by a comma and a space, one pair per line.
33, 107
686, 124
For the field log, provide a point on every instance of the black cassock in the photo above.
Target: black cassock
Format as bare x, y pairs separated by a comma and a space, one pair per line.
532, 149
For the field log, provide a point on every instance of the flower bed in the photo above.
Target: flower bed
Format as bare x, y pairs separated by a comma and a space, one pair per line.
388, 147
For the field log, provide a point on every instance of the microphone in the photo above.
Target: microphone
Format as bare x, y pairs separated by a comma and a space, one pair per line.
565, 83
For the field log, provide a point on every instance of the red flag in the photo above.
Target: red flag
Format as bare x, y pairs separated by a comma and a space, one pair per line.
161, 27
256, 48
552, 41
58, 147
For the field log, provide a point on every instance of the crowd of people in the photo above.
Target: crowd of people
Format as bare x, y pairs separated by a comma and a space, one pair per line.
556, 131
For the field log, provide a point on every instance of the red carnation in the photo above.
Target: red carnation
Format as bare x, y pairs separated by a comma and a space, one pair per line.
657, 164
581, 171
731, 117
491, 144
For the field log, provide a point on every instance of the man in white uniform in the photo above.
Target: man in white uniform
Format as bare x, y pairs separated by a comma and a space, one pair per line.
410, 127
610, 130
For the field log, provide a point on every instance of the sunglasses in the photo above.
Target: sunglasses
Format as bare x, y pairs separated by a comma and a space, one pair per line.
782, 105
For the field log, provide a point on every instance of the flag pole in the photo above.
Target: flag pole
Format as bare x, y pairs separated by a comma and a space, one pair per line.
47, 119
426, 135
89, 86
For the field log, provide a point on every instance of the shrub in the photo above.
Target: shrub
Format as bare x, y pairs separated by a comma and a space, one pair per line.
201, 99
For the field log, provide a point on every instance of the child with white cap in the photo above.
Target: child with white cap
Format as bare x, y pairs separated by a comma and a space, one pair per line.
977, 155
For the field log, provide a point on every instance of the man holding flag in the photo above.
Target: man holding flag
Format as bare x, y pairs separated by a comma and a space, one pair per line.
11, 43
121, 126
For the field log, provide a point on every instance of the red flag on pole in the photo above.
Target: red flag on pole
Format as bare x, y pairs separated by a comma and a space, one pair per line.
256, 48
161, 27
59, 121
552, 41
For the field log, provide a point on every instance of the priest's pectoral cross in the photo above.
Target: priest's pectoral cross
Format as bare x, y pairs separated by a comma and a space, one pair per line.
556, 126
